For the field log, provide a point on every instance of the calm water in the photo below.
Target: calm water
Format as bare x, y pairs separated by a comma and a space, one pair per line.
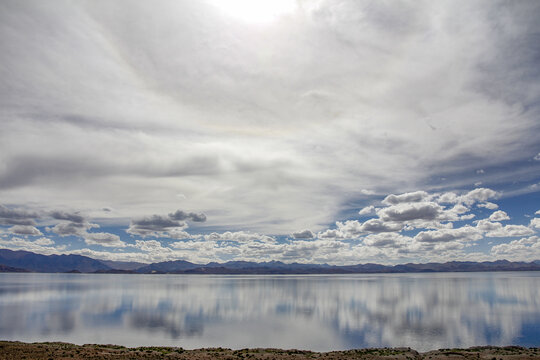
329, 312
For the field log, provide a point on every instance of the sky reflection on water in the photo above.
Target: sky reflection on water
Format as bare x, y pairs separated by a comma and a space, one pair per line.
330, 312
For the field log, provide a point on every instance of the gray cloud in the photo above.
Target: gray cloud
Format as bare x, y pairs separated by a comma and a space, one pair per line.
153, 224
72, 228
171, 225
16, 217
72, 217
103, 239
182, 215
25, 230
304, 234
411, 211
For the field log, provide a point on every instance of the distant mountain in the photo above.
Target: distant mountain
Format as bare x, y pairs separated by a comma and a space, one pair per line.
11, 261
276, 267
5, 268
51, 263
168, 267
123, 265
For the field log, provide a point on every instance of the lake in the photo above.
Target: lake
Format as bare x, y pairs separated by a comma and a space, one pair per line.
314, 312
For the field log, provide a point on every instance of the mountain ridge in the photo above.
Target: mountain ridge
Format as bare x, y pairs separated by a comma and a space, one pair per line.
26, 261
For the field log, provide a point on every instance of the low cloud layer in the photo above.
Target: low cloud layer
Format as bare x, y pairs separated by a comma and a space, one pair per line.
431, 227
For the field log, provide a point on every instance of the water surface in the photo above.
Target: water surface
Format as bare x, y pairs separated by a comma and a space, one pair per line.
315, 312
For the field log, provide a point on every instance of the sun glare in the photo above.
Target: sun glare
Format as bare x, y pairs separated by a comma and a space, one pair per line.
255, 11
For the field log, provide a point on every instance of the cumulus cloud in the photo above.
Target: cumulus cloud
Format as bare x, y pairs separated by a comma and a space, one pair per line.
416, 196
448, 198
25, 230
354, 228
72, 217
40, 246
488, 205
411, 211
391, 240
368, 210
153, 225
466, 233
525, 249
535, 223
499, 215
478, 195
103, 239
496, 229
182, 215
239, 236
171, 225
44, 241
330, 234
73, 228
16, 217
304, 234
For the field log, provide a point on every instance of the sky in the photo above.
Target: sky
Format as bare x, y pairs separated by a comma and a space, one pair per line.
337, 132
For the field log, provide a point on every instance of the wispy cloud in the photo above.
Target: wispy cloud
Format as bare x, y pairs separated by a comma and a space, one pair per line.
297, 122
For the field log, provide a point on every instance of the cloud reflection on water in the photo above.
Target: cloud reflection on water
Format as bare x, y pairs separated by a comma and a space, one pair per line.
424, 311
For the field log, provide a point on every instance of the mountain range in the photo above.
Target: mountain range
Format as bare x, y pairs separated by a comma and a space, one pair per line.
25, 261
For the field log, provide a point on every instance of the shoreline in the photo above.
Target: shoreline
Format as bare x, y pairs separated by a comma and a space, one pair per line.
59, 350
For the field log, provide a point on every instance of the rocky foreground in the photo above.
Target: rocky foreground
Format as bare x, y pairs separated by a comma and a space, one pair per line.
50, 351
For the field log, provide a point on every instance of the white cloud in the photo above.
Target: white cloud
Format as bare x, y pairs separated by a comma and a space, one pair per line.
535, 223
353, 228
239, 236
488, 205
416, 196
391, 240
368, 210
537, 157
448, 198
478, 195
331, 234
411, 211
499, 215
496, 229
466, 233
40, 246
526, 249
286, 131
44, 241
149, 245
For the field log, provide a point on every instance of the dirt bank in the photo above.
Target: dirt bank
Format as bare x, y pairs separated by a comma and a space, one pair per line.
54, 351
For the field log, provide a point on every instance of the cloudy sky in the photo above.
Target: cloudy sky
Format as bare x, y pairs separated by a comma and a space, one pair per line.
294, 130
